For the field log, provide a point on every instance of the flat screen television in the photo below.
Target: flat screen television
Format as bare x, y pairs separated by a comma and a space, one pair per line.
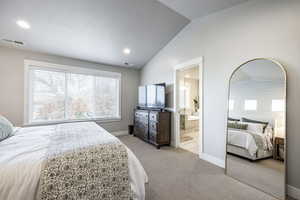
152, 96
142, 96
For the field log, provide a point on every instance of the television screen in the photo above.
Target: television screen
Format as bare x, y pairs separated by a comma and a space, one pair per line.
160, 96
142, 96
152, 96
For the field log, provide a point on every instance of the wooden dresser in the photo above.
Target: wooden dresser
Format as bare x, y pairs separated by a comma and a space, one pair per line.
153, 126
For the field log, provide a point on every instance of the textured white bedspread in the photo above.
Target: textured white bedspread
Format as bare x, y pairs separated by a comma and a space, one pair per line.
245, 140
21, 158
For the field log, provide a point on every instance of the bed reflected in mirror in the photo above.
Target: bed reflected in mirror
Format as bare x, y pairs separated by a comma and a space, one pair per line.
256, 126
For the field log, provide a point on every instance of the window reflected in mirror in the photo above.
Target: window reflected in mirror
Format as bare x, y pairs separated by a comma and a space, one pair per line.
250, 104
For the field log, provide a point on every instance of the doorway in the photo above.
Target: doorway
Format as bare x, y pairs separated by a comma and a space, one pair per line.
188, 106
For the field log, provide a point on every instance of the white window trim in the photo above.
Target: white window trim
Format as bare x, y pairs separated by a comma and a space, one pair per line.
281, 108
32, 64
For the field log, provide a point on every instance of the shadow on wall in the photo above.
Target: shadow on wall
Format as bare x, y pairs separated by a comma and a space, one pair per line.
170, 96
170, 104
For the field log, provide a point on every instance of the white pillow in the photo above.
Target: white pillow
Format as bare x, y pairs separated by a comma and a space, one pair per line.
6, 128
269, 131
255, 127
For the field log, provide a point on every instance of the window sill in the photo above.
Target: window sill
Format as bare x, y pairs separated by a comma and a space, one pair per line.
99, 120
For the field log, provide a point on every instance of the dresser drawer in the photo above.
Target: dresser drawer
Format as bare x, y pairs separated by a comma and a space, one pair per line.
153, 126
142, 112
154, 116
141, 116
141, 130
153, 136
141, 120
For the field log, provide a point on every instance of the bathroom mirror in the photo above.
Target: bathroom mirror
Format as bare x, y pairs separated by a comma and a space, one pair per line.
256, 124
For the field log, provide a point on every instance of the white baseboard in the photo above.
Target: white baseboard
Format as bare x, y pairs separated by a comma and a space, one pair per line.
293, 192
173, 144
120, 133
214, 160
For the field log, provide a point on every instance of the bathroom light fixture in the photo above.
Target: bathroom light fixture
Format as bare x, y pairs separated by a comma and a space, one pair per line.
23, 24
126, 51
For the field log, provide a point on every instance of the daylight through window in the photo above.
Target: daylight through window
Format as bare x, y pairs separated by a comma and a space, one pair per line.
56, 95
250, 105
231, 104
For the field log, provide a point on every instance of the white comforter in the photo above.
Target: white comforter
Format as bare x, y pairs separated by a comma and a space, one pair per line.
245, 140
21, 157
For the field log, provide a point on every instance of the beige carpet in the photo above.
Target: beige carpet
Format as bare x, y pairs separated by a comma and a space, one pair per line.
181, 175
267, 174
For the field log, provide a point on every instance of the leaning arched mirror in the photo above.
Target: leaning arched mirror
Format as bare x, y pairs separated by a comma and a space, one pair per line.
256, 137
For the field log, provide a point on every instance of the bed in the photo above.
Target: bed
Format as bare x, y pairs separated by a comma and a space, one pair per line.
249, 144
68, 161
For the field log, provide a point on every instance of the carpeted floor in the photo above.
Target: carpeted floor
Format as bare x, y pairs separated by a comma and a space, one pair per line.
176, 174
267, 174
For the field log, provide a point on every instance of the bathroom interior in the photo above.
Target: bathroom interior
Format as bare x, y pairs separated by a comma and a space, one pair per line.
189, 109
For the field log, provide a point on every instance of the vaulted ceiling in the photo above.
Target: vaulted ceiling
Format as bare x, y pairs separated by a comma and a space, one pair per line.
93, 30
193, 9
99, 30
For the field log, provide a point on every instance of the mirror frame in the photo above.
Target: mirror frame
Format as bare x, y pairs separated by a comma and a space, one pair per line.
285, 114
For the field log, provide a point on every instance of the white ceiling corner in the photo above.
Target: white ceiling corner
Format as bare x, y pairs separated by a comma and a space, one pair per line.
193, 9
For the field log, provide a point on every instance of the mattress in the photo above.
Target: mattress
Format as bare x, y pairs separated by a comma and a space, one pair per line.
22, 154
252, 142
239, 151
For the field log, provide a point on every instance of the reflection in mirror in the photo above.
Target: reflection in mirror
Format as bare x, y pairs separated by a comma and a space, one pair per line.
256, 126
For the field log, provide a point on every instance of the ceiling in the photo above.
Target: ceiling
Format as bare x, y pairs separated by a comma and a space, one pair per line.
93, 30
193, 9
99, 30
258, 71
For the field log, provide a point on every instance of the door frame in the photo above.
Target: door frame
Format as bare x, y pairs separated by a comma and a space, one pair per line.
183, 66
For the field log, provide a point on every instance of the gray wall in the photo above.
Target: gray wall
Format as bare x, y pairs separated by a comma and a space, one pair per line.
262, 28
12, 84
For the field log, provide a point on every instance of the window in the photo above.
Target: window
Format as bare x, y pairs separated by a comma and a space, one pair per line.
231, 104
277, 105
250, 104
48, 96
61, 93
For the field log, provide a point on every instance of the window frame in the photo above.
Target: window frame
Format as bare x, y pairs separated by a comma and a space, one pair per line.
46, 66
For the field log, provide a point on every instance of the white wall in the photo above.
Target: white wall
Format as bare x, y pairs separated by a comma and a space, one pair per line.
261, 91
12, 84
262, 28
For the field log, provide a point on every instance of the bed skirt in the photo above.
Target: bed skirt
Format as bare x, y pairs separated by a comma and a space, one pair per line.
261, 154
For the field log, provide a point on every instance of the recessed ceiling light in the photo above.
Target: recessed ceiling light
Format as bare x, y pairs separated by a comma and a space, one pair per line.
126, 51
23, 24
